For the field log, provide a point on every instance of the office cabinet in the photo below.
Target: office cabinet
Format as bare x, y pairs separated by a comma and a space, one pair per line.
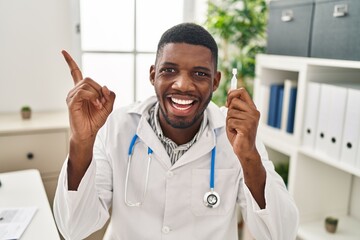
39, 143
321, 183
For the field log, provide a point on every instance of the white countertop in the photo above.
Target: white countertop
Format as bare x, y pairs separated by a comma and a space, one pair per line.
25, 189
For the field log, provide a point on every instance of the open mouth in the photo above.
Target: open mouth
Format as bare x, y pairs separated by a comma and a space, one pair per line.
181, 104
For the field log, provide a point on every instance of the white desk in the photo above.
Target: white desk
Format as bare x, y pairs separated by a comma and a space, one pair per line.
25, 189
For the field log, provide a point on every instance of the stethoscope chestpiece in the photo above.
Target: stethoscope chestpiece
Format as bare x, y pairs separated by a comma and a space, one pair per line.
211, 199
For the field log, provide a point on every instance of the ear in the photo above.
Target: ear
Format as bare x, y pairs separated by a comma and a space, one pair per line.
152, 74
216, 81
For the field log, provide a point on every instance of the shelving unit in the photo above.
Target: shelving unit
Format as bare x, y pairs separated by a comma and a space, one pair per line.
320, 184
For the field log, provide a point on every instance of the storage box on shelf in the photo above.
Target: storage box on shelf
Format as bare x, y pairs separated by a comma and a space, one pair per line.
322, 183
289, 27
335, 29
39, 143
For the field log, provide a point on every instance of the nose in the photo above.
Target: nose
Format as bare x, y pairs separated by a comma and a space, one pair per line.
183, 83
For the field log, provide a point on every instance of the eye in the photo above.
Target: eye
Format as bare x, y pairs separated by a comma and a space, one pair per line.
167, 70
201, 74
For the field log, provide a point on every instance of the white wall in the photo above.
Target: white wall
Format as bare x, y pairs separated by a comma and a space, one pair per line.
32, 70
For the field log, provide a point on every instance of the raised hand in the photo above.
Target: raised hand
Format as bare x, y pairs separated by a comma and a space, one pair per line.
242, 122
89, 104
241, 127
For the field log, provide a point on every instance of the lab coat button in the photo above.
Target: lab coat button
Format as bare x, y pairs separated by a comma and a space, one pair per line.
165, 229
169, 174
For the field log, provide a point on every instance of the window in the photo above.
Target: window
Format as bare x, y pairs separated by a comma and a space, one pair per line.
119, 40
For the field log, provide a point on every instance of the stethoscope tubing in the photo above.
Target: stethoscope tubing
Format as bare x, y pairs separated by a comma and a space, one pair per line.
131, 148
212, 169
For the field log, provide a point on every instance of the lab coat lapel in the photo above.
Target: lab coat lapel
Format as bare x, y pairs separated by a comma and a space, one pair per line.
203, 146
148, 136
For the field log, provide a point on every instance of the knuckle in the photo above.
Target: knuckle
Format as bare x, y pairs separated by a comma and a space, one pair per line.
257, 113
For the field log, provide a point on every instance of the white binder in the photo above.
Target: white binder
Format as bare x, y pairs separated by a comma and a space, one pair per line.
311, 114
335, 122
357, 159
351, 134
330, 120
264, 102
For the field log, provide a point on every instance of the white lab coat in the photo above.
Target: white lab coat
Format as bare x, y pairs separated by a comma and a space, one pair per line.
173, 207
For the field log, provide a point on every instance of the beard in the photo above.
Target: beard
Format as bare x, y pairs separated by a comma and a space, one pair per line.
181, 122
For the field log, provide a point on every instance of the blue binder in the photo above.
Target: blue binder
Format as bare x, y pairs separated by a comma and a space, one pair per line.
279, 107
274, 103
291, 112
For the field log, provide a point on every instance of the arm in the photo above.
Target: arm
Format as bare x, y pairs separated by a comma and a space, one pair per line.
81, 208
268, 209
241, 128
79, 213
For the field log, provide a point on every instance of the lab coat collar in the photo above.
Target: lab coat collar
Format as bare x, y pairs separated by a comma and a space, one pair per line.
147, 134
204, 145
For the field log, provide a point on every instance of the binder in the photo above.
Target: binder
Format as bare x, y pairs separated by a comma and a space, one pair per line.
264, 101
357, 159
289, 105
331, 120
279, 107
291, 113
274, 104
336, 119
351, 134
311, 114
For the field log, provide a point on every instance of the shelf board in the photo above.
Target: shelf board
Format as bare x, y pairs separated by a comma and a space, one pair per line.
348, 229
277, 139
329, 161
294, 62
11, 123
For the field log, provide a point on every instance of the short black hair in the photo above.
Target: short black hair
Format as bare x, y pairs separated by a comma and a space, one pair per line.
189, 33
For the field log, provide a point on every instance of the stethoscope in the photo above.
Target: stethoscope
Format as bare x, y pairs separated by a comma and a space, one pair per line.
211, 198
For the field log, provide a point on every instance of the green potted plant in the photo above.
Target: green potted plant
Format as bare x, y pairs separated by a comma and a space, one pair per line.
239, 27
26, 112
331, 224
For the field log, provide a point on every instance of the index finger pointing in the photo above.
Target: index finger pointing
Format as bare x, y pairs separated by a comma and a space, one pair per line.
74, 69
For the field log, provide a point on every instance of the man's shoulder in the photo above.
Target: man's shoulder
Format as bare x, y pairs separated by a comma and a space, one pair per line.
216, 115
135, 108
132, 113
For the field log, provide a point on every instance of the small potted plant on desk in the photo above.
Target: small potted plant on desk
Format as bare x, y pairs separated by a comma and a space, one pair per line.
26, 112
331, 224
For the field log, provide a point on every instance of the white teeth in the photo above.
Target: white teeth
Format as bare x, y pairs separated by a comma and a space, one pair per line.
182, 108
181, 101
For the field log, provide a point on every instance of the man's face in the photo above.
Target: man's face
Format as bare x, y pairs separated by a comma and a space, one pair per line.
184, 79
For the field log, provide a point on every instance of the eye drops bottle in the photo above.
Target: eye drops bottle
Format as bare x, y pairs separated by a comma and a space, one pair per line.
234, 79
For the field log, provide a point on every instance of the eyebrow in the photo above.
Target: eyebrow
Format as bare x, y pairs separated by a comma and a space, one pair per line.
196, 67
205, 69
169, 63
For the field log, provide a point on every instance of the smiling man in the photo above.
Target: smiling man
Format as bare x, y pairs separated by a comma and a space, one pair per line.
174, 166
